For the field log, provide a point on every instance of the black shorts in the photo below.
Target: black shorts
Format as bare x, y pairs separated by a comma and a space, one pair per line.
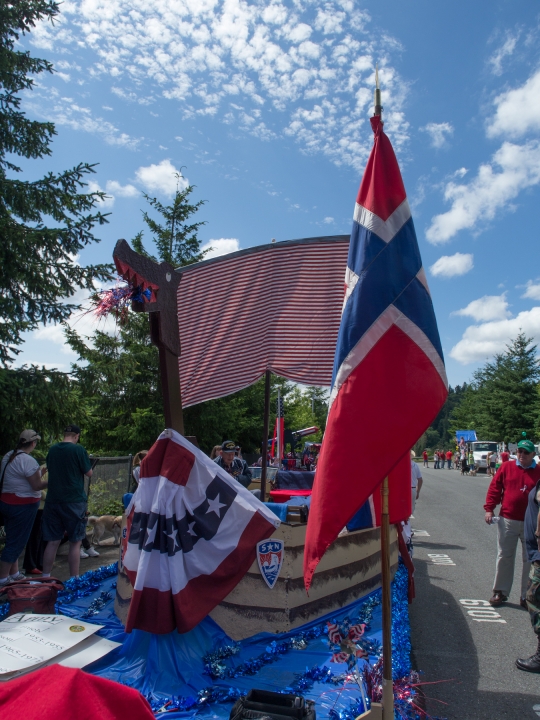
64, 517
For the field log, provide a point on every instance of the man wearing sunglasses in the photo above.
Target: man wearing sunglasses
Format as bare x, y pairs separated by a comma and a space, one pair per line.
510, 489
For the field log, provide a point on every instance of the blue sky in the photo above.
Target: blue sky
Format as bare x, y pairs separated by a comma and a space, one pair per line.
265, 106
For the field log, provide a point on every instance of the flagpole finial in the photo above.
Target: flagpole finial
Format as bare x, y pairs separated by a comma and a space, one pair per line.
377, 96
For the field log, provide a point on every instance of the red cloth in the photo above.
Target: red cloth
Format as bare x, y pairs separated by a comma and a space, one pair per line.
60, 693
449, 454
505, 457
510, 489
281, 496
425, 455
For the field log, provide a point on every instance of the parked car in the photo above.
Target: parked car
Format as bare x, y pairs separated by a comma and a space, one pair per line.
480, 450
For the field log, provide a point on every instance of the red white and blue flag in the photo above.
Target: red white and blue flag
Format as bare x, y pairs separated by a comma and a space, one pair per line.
277, 450
192, 533
389, 379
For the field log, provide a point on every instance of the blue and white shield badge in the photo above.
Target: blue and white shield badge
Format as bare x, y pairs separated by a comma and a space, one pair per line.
270, 558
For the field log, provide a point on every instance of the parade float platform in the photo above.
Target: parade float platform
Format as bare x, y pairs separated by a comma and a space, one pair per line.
204, 671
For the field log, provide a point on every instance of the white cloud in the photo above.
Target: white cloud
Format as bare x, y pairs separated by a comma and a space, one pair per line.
328, 220
114, 188
451, 265
518, 110
438, 132
504, 51
107, 202
532, 291
483, 341
161, 178
220, 246
489, 307
66, 112
314, 66
489, 192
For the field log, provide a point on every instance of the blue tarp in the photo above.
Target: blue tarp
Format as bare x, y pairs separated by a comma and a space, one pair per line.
165, 666
467, 435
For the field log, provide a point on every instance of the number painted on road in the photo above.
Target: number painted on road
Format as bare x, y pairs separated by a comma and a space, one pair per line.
481, 611
440, 559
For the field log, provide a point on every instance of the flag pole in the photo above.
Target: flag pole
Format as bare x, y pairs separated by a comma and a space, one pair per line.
265, 433
387, 684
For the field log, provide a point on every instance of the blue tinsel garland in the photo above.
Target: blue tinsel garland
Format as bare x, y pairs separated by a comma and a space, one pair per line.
79, 587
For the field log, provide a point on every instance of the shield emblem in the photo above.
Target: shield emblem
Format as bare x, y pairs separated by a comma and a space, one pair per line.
270, 558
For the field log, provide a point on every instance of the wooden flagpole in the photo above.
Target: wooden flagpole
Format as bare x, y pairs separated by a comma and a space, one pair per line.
387, 688
265, 433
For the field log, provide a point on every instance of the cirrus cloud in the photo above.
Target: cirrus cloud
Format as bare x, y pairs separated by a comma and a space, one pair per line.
512, 169
271, 69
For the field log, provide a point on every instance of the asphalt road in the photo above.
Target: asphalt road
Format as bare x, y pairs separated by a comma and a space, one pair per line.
475, 655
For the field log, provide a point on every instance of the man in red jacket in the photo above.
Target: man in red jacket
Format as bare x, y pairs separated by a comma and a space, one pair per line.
510, 489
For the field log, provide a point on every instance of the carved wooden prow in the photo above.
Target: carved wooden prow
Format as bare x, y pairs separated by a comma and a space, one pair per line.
162, 280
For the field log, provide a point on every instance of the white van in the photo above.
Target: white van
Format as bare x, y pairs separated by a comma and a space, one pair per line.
480, 450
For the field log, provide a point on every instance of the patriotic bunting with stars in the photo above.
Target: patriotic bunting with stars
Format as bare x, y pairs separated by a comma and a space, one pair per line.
192, 532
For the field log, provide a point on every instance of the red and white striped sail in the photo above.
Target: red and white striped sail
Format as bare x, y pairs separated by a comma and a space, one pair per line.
274, 307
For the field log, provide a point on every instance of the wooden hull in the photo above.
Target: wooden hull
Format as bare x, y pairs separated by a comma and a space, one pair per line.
350, 569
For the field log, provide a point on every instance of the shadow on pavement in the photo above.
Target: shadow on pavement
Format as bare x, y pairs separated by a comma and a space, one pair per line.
444, 650
437, 545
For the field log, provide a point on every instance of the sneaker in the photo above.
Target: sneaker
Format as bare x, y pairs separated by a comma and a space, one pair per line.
34, 571
83, 554
497, 599
523, 603
18, 576
91, 552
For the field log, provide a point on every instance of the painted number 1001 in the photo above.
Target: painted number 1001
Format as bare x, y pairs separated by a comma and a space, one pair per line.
481, 611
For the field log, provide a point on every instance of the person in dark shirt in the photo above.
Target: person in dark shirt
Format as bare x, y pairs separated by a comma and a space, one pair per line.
235, 466
65, 506
532, 544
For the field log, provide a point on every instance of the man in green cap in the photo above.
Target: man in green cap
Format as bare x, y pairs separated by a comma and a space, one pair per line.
510, 488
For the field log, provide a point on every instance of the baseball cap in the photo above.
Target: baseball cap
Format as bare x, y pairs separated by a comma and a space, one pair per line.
75, 429
526, 444
29, 436
228, 446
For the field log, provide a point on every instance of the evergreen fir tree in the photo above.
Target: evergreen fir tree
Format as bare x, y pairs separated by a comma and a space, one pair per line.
176, 239
502, 401
44, 223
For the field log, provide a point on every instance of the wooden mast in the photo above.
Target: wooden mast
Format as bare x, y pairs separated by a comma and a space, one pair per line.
387, 688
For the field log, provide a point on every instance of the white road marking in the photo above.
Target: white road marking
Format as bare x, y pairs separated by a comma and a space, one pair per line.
536, 709
421, 533
481, 611
440, 559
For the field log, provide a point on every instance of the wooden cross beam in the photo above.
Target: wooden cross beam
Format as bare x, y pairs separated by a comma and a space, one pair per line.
163, 280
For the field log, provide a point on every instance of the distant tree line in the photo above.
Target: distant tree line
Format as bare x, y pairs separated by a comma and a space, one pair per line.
501, 401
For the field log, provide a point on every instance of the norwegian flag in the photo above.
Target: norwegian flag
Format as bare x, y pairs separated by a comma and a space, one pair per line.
192, 532
389, 380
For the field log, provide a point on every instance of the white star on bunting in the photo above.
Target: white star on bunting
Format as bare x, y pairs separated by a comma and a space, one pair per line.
215, 506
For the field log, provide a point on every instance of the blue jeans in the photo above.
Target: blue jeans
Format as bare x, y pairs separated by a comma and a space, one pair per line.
18, 521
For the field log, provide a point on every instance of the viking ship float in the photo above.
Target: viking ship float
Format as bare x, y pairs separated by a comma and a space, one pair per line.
220, 296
